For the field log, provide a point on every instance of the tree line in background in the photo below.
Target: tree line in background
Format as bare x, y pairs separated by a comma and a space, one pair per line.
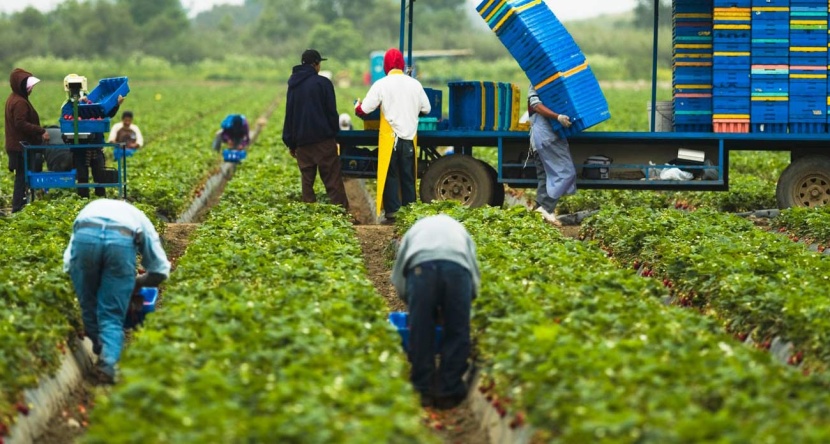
347, 30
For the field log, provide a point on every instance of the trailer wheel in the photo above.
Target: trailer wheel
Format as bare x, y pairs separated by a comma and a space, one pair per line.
805, 183
498, 189
457, 177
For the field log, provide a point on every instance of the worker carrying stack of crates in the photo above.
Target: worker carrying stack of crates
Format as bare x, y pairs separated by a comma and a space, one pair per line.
808, 66
553, 62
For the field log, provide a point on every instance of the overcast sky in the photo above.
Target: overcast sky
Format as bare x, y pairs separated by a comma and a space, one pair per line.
564, 9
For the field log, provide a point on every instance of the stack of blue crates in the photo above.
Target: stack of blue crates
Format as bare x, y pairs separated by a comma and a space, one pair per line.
551, 59
731, 65
770, 65
692, 65
808, 66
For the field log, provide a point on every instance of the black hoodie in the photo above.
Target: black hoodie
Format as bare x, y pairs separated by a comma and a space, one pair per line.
310, 109
22, 121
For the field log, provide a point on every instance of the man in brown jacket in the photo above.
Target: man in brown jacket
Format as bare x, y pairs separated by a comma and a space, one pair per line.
22, 125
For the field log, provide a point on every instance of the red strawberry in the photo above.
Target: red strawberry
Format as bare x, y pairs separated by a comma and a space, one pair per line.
22, 408
518, 420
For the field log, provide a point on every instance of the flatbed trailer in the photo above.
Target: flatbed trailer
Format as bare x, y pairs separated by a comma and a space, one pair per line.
638, 156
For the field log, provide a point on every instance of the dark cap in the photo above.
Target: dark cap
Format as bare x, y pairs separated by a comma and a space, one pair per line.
311, 57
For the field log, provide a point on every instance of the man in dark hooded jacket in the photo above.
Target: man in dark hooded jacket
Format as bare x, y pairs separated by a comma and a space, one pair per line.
311, 122
22, 125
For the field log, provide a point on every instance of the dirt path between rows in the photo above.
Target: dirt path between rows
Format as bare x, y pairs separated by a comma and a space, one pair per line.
456, 426
71, 423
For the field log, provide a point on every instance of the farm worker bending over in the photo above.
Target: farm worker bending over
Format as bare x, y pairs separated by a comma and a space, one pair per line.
436, 270
555, 171
126, 132
101, 260
22, 125
401, 99
311, 122
234, 132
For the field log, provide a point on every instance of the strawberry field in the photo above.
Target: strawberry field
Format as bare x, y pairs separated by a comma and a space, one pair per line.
653, 326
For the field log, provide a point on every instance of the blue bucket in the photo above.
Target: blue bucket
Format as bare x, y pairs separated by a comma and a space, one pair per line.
150, 295
400, 320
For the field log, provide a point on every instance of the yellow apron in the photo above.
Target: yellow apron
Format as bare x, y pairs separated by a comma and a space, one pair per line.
386, 143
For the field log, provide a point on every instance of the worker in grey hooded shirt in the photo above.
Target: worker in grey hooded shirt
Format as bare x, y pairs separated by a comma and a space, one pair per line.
436, 270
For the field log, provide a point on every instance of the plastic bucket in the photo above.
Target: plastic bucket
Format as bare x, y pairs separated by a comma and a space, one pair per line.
664, 117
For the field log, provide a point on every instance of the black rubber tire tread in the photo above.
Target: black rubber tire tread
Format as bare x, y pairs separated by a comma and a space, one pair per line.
795, 175
498, 189
458, 167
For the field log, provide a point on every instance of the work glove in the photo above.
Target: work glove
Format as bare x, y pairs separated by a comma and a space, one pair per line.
564, 120
358, 110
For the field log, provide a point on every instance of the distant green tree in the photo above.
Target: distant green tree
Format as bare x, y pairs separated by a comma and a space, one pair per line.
339, 39
644, 12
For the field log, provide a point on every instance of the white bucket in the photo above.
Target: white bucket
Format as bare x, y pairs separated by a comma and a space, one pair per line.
664, 117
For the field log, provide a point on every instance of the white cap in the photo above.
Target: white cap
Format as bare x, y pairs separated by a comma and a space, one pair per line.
345, 121
31, 82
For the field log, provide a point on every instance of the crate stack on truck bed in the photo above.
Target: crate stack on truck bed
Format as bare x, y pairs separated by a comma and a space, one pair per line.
769, 66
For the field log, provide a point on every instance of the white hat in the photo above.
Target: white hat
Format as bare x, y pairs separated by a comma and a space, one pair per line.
31, 82
345, 121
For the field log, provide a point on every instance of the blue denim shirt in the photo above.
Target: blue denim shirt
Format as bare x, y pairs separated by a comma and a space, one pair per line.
117, 213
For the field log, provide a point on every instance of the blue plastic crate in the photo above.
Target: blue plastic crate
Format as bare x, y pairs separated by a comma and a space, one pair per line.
807, 128
693, 127
234, 156
466, 105
731, 62
61, 179
778, 51
808, 87
118, 153
400, 320
732, 78
692, 104
107, 92
769, 86
768, 127
771, 3
436, 102
86, 126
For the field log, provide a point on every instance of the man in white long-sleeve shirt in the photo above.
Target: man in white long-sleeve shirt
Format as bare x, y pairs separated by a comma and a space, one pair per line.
401, 99
101, 257
126, 132
436, 269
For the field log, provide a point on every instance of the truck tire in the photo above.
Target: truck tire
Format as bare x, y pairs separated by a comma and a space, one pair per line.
498, 189
804, 183
457, 177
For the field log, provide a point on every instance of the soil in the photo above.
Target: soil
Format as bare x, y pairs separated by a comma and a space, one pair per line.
458, 425
68, 425
571, 231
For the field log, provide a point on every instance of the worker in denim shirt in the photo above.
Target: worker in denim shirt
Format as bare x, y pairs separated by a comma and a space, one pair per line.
436, 271
555, 171
101, 260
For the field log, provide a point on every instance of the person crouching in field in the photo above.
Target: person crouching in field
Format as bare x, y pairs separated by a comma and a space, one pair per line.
436, 271
126, 132
234, 132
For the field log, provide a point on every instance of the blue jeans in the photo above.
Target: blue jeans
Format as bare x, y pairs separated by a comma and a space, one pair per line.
542, 198
430, 287
102, 268
400, 180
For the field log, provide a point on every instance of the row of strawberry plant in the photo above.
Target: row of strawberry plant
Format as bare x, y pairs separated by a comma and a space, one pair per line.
38, 299
270, 332
810, 224
755, 282
170, 170
586, 352
38, 307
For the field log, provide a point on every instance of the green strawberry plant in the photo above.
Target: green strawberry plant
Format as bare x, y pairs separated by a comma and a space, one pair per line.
588, 352
270, 332
810, 224
754, 282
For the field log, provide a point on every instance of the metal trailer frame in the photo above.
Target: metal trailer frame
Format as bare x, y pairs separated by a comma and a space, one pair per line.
806, 182
121, 168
